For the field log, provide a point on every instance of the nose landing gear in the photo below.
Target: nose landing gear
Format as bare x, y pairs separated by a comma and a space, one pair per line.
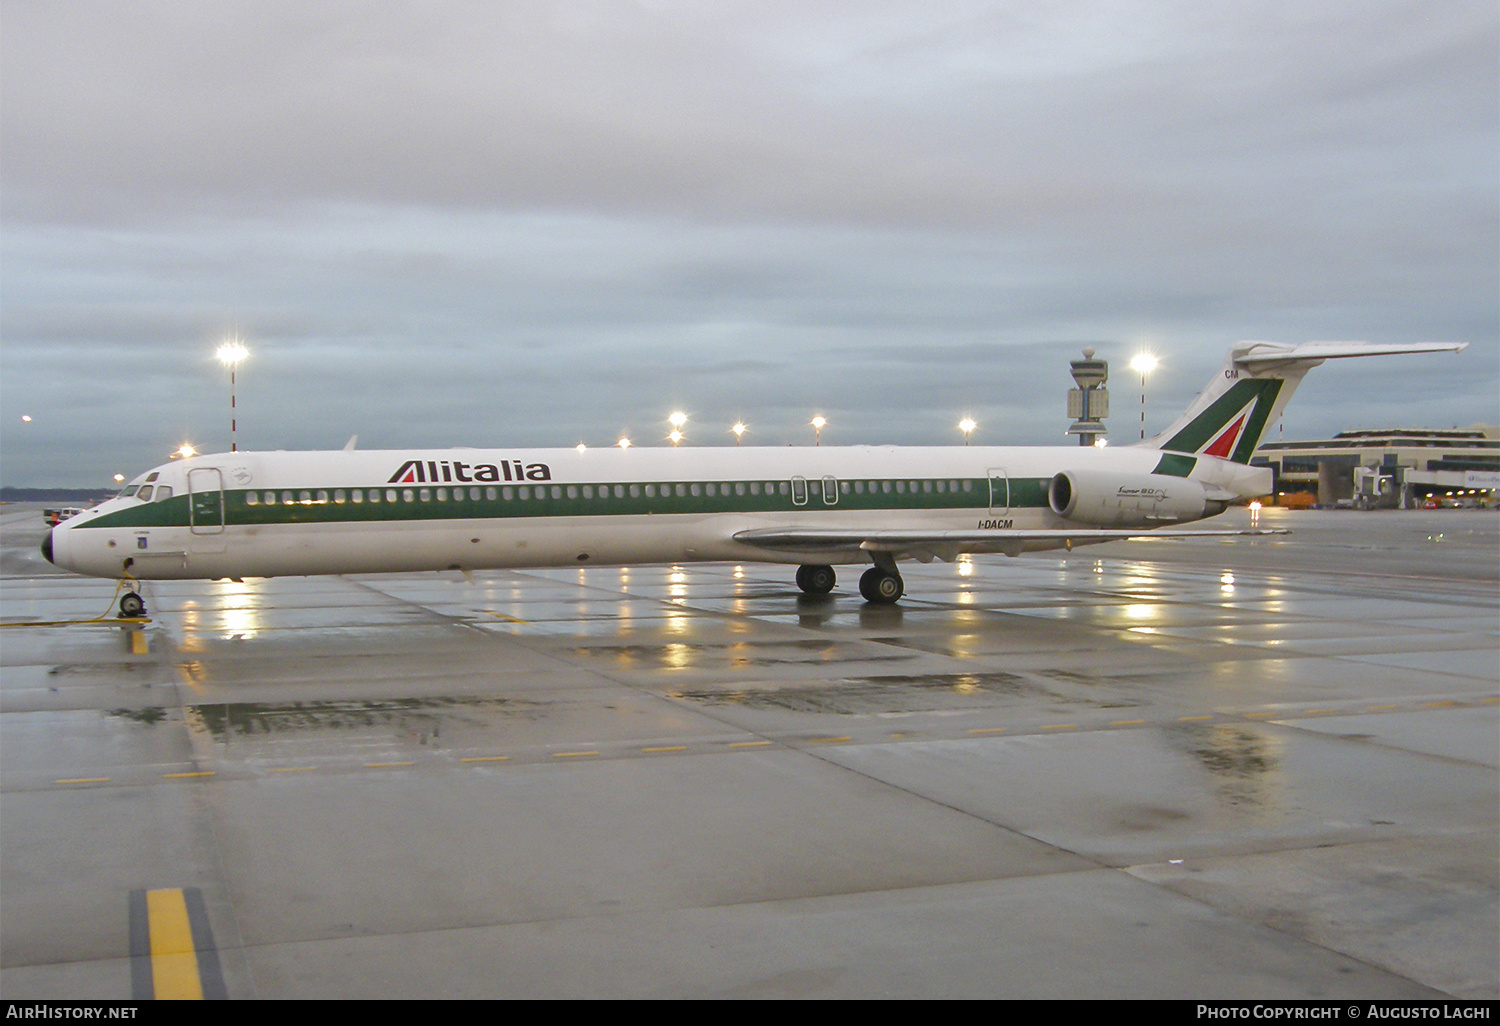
132, 606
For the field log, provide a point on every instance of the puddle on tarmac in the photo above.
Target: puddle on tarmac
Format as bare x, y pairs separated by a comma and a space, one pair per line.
864, 695
1243, 763
100, 669
739, 655
425, 716
149, 715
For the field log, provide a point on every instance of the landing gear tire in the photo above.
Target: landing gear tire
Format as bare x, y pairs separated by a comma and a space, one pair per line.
132, 606
816, 579
881, 586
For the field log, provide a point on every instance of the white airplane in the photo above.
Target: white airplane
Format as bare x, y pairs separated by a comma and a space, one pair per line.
267, 514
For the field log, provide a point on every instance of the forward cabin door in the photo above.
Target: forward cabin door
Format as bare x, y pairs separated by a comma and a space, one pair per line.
206, 500
999, 490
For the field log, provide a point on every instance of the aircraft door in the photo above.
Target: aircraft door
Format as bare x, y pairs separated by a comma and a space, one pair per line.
206, 500
999, 490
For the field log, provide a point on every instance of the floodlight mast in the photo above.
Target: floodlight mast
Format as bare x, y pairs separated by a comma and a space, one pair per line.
230, 354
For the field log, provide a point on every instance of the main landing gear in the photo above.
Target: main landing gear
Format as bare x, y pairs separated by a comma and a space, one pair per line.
816, 579
881, 585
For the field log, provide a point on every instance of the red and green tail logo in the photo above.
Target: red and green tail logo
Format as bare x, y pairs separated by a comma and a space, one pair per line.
1232, 425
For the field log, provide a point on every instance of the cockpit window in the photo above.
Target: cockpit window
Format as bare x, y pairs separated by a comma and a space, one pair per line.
129, 491
145, 493
163, 492
152, 476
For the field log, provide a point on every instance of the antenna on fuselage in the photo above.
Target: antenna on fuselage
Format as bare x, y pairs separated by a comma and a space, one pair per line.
349, 445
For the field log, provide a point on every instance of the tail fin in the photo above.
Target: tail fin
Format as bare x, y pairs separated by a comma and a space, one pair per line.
1233, 413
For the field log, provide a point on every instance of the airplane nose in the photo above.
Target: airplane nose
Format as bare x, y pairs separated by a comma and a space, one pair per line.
47, 546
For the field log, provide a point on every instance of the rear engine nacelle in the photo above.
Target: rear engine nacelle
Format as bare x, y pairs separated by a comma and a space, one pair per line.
1129, 500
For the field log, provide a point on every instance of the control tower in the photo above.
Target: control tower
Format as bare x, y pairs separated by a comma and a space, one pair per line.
1088, 404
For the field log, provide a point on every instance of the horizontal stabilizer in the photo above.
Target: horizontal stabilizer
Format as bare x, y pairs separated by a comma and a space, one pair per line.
1273, 352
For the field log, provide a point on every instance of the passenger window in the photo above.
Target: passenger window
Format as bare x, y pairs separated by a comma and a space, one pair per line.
357, 495
322, 498
681, 491
572, 492
409, 495
305, 498
338, 496
442, 494
490, 493
696, 489
286, 498
252, 499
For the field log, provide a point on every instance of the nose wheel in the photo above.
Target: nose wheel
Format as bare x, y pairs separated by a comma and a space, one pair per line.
132, 606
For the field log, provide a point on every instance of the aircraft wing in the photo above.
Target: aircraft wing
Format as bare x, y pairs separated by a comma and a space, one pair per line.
947, 545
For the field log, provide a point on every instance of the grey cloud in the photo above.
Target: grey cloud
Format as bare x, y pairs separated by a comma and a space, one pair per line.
461, 223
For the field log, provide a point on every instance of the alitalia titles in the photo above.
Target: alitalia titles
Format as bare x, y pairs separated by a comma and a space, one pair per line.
455, 471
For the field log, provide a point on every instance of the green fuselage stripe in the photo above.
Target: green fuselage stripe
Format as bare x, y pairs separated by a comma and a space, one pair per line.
321, 505
1174, 464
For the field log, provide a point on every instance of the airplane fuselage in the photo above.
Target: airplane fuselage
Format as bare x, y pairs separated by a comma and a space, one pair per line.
270, 514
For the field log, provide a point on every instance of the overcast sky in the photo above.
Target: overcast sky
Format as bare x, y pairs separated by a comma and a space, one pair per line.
545, 222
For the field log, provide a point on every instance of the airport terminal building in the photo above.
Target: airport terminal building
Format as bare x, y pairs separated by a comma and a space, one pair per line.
1395, 469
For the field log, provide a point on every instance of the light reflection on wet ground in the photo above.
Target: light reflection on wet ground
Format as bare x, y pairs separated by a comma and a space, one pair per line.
702, 754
